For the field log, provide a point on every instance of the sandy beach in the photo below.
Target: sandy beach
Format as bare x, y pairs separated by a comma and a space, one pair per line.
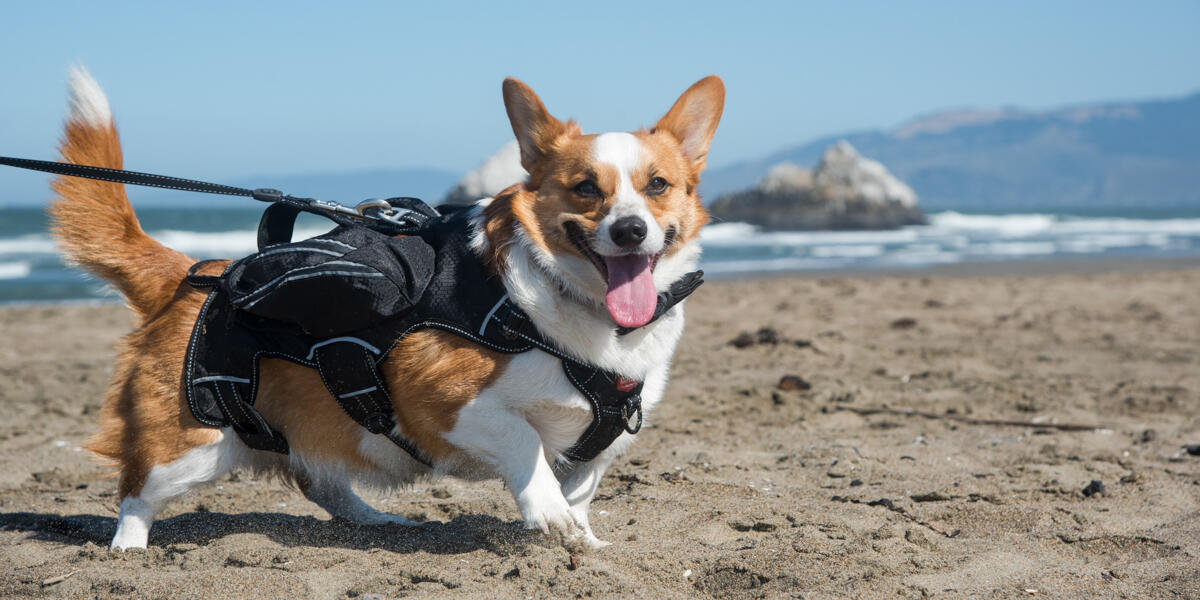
922, 435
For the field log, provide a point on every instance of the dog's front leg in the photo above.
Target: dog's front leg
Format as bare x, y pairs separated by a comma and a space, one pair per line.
579, 483
491, 431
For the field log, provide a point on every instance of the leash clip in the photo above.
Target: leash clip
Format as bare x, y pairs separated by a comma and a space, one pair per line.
373, 208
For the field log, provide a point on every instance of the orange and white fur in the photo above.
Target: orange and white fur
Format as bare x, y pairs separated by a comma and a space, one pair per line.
476, 413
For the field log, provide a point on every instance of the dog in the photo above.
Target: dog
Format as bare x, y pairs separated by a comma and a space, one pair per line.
602, 224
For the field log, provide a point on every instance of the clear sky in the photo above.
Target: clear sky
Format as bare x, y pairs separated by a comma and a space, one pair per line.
221, 90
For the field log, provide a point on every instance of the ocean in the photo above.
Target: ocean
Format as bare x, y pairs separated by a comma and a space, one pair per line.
31, 270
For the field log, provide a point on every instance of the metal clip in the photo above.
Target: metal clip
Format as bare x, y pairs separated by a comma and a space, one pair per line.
632, 406
372, 208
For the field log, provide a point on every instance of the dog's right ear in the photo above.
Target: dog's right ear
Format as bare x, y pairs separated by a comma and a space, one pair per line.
536, 130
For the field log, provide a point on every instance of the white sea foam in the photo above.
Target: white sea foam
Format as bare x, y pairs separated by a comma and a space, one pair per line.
15, 270
742, 234
726, 267
847, 251
28, 244
229, 244
1007, 225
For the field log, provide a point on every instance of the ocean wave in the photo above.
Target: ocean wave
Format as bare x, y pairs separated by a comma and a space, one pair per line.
15, 270
1035, 224
744, 234
1007, 225
233, 244
28, 244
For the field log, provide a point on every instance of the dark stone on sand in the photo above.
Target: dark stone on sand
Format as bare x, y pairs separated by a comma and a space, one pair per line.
1194, 449
764, 336
1095, 488
743, 340
793, 383
904, 323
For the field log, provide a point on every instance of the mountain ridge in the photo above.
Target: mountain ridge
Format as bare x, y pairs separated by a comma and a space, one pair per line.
1096, 155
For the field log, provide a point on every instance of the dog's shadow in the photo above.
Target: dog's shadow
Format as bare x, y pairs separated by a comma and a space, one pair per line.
463, 534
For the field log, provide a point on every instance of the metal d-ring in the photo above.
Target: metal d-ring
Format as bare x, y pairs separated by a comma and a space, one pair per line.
632, 406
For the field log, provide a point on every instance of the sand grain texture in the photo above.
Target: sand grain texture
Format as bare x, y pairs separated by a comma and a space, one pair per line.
736, 488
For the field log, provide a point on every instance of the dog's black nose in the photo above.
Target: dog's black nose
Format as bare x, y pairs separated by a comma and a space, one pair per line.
628, 232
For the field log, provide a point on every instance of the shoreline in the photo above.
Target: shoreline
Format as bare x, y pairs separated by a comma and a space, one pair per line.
1025, 267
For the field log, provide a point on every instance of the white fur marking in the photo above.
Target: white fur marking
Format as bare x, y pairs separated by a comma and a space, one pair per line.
164, 482
89, 105
133, 526
624, 151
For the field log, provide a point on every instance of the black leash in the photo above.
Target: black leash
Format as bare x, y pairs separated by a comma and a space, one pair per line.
146, 179
379, 212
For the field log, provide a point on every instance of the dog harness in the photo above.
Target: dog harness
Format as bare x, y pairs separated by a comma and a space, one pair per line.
339, 302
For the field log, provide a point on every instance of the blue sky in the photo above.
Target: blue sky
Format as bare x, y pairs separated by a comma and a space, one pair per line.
222, 90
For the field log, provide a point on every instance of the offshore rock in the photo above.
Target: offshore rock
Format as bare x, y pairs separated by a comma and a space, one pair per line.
847, 191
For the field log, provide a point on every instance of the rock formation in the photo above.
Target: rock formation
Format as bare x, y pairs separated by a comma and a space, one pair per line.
847, 191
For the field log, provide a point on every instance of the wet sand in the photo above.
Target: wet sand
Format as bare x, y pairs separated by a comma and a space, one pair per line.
935, 441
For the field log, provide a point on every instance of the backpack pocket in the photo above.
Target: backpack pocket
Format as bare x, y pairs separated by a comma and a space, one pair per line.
346, 280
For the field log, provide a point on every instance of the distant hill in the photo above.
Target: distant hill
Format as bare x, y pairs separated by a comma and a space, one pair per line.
1143, 154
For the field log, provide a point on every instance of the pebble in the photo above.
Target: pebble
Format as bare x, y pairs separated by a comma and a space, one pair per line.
1096, 487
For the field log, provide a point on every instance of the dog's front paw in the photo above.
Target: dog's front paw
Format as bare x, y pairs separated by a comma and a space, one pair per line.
585, 542
546, 513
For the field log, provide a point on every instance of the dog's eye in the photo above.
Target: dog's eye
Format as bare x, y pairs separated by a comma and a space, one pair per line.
657, 186
587, 188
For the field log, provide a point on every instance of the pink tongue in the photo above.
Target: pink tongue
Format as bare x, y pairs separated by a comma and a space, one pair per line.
631, 297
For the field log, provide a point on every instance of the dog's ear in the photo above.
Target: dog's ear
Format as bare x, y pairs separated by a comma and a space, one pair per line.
693, 119
536, 131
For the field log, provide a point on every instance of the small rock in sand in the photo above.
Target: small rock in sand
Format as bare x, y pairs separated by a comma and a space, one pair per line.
792, 383
1095, 488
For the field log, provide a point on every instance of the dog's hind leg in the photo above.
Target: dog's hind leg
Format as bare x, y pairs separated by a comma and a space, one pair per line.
339, 500
166, 481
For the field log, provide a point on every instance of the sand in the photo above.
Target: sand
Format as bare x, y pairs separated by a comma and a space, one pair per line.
894, 466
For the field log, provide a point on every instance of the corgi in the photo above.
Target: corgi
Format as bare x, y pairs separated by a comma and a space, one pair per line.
602, 224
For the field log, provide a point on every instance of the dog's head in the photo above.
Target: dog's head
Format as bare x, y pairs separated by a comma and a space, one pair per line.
614, 217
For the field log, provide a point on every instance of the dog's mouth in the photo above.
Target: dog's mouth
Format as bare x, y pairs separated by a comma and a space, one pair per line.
631, 298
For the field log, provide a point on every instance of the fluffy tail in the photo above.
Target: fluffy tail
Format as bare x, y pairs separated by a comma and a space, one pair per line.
93, 220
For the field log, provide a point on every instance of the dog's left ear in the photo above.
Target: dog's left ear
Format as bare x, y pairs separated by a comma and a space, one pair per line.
693, 119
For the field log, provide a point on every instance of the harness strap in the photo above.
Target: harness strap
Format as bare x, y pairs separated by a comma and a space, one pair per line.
349, 370
247, 423
612, 413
